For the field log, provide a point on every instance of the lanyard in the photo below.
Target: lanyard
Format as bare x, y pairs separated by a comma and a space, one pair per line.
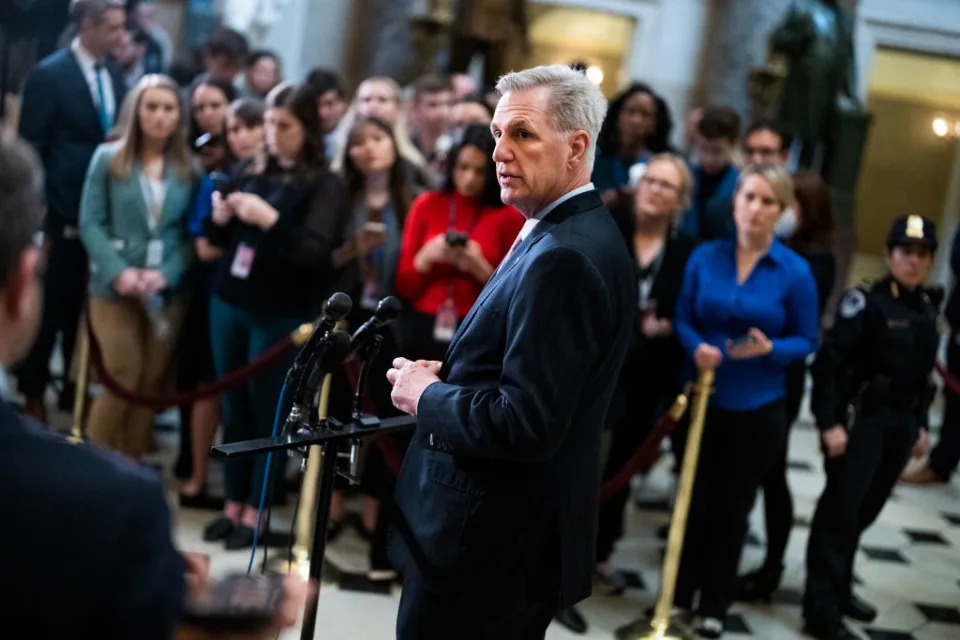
452, 226
154, 204
646, 276
452, 217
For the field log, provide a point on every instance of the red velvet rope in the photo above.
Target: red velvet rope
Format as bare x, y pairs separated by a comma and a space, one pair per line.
949, 381
266, 359
642, 460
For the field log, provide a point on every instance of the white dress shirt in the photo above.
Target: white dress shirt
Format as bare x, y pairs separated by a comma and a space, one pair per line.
4, 385
88, 67
540, 215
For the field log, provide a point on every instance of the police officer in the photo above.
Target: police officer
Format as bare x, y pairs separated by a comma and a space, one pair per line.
877, 359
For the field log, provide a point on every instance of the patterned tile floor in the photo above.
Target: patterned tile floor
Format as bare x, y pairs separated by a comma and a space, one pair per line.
908, 566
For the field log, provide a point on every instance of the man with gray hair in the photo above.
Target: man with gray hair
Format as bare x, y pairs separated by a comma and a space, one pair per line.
498, 493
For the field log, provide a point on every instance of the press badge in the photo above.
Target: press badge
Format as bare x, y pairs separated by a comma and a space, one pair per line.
242, 261
154, 253
445, 325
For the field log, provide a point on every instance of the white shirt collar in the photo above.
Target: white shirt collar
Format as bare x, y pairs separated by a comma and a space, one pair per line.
4, 385
86, 59
540, 215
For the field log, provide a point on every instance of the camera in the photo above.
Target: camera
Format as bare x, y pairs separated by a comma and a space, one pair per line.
456, 239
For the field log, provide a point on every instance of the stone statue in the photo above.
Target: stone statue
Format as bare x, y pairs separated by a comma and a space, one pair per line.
816, 37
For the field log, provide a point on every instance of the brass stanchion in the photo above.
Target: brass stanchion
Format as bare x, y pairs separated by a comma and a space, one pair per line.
80, 395
308, 493
661, 627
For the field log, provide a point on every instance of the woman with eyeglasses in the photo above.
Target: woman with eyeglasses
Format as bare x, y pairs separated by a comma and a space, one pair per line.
650, 377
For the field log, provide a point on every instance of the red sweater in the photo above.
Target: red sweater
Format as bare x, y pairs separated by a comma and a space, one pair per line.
495, 229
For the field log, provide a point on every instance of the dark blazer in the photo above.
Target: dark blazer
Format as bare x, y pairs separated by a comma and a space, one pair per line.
654, 365
85, 542
59, 118
715, 218
499, 489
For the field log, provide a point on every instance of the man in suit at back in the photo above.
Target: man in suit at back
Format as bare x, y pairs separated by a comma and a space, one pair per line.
70, 102
499, 490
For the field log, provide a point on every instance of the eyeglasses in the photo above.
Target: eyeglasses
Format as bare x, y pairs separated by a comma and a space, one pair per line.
650, 181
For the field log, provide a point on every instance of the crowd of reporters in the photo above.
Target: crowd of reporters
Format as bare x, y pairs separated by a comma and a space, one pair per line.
216, 217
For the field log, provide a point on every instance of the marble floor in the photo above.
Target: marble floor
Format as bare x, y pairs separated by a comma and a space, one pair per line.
908, 565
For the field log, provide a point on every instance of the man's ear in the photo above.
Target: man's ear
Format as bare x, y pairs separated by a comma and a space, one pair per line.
16, 294
579, 145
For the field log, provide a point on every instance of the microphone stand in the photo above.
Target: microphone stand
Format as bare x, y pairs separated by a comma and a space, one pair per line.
324, 441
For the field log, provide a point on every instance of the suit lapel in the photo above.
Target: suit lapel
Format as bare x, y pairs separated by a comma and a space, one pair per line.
79, 81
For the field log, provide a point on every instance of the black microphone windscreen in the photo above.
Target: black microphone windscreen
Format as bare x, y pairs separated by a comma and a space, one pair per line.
388, 309
338, 306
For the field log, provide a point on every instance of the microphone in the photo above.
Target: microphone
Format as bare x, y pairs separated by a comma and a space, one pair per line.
334, 350
336, 309
387, 311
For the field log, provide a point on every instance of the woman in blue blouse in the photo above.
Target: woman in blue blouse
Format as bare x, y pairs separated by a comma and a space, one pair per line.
748, 309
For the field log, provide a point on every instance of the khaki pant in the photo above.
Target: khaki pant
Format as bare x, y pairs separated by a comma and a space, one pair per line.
136, 358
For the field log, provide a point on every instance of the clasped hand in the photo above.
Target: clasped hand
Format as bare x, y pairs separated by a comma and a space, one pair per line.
409, 380
139, 283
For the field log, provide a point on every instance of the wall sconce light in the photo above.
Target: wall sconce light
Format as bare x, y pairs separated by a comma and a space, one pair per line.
594, 74
943, 128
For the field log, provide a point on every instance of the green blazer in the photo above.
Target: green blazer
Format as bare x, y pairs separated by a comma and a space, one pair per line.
115, 230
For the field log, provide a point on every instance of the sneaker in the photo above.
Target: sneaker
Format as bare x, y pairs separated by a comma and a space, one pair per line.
710, 628
608, 582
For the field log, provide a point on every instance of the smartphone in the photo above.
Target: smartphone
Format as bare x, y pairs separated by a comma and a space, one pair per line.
742, 341
207, 140
457, 239
239, 603
375, 227
223, 183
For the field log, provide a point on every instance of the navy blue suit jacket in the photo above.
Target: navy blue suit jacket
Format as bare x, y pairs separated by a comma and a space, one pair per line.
84, 540
500, 486
59, 118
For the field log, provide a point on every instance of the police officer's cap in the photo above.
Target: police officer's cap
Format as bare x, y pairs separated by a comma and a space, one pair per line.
913, 229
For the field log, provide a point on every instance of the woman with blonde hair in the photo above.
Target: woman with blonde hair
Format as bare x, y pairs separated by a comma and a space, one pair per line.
747, 309
135, 199
650, 377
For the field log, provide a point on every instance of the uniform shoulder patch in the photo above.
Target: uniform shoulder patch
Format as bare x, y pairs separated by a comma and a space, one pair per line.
854, 301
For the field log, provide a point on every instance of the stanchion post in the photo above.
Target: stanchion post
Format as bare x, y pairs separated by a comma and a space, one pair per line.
661, 627
80, 395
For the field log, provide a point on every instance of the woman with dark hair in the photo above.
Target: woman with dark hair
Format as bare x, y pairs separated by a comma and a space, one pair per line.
277, 225
452, 242
199, 421
638, 124
379, 194
208, 105
807, 229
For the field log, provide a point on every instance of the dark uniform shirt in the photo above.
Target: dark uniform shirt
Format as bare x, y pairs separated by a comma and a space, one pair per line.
880, 350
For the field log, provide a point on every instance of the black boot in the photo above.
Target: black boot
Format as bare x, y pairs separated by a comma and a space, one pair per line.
759, 584
572, 620
859, 610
